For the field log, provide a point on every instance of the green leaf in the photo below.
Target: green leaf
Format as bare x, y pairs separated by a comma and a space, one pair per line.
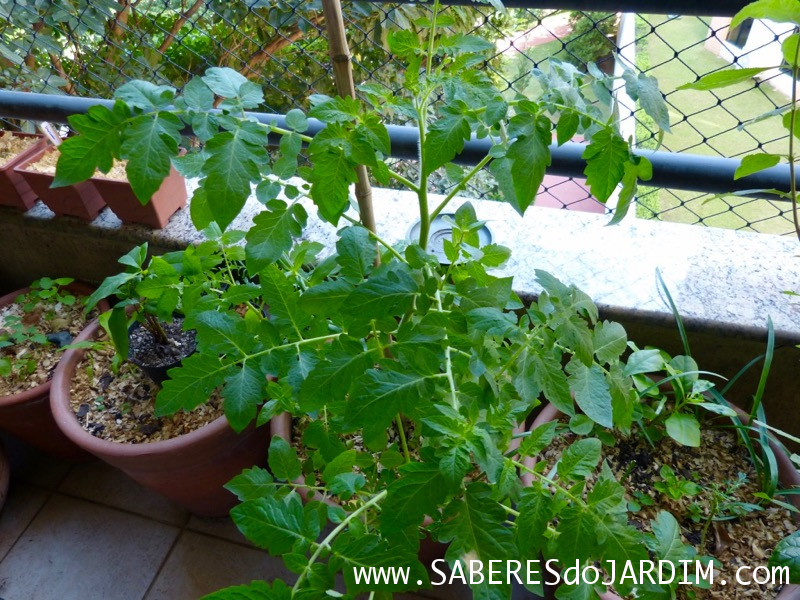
275, 524
720, 79
273, 233
98, 143
145, 95
283, 299
222, 333
117, 327
110, 285
460, 43
418, 491
787, 554
197, 95
256, 590
644, 89
789, 49
370, 551
282, 460
536, 510
296, 120
491, 321
610, 341
327, 297
444, 141
684, 429
356, 252
668, 545
779, 11
251, 484
149, 144
331, 177
331, 379
224, 81
754, 163
580, 459
530, 157
494, 255
404, 43
591, 392
334, 110
551, 378
605, 159
232, 165
379, 395
385, 293
191, 384
243, 394
539, 439
644, 361
567, 126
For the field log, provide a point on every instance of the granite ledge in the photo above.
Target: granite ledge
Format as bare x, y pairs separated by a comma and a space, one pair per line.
723, 281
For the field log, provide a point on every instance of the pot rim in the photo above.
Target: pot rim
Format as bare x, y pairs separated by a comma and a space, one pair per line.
43, 389
68, 423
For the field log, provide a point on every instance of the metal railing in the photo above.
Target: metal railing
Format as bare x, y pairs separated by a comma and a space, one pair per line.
77, 48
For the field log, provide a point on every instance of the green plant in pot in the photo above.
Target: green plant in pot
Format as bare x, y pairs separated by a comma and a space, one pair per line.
396, 384
36, 323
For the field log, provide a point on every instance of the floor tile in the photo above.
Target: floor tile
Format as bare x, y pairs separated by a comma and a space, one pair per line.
200, 564
75, 550
222, 527
22, 504
102, 483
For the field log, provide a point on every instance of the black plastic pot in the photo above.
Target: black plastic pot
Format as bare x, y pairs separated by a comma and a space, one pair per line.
157, 374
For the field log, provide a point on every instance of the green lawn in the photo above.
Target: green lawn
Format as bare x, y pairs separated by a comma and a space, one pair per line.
716, 123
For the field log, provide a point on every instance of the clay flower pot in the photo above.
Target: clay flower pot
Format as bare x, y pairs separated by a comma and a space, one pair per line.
787, 475
27, 415
429, 550
14, 190
80, 200
189, 469
119, 196
5, 476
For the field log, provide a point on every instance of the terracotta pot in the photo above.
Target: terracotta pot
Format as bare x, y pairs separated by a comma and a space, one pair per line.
80, 200
429, 550
14, 190
787, 475
5, 476
190, 469
27, 415
119, 196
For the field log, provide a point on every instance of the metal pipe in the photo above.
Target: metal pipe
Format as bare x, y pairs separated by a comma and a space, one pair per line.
707, 174
717, 8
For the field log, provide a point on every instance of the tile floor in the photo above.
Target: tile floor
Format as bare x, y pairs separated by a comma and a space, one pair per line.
84, 531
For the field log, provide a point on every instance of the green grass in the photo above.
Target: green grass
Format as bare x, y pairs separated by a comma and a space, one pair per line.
717, 124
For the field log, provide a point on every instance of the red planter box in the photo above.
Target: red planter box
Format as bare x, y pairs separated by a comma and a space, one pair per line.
14, 190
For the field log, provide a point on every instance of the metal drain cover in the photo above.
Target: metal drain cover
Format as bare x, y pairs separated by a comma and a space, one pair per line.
442, 230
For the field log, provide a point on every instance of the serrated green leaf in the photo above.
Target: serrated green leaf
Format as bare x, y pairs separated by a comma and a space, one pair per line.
327, 297
145, 95
774, 10
580, 459
380, 395
605, 157
224, 81
418, 491
356, 252
274, 524
539, 438
330, 380
334, 110
283, 299
530, 157
282, 460
551, 378
331, 177
273, 233
667, 534
536, 510
567, 126
444, 141
197, 95
787, 554
644, 361
296, 120
251, 484
610, 341
644, 89
190, 385
385, 293
591, 390
243, 394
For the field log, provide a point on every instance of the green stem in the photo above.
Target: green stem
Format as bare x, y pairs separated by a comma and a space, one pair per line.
402, 433
461, 185
448, 362
406, 182
429, 64
325, 543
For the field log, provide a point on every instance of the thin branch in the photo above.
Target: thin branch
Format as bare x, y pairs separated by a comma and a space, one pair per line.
59, 67
178, 24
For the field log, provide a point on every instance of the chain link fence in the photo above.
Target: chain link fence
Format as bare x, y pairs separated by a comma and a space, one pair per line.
90, 47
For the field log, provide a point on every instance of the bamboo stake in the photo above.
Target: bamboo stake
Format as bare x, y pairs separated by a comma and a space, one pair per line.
345, 87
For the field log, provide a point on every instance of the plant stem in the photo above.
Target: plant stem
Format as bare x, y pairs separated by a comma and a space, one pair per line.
401, 432
448, 362
325, 543
432, 37
406, 182
461, 185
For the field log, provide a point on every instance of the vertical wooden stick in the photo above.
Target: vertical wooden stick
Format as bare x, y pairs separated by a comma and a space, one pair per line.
345, 87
